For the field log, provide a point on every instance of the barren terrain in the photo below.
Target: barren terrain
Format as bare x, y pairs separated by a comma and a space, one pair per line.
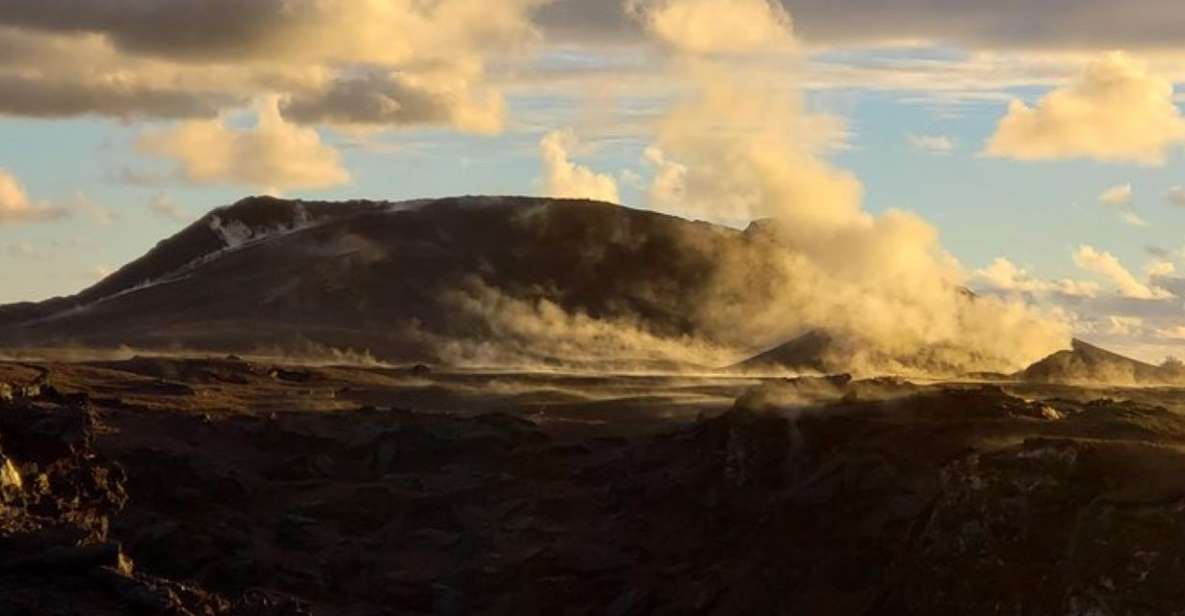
230, 486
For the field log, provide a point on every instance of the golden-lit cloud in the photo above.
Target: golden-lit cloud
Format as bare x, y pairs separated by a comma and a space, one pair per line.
1116, 111
1133, 219
1117, 195
273, 156
564, 179
1004, 275
17, 207
372, 63
1108, 266
715, 26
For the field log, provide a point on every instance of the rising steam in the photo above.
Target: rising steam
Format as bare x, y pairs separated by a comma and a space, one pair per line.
741, 149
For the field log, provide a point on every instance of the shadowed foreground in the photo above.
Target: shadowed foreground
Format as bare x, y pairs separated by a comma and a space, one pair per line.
147, 487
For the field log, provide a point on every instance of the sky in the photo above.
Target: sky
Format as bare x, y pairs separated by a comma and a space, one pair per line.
1042, 144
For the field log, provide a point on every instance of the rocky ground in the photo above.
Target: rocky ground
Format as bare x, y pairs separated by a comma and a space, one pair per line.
176, 486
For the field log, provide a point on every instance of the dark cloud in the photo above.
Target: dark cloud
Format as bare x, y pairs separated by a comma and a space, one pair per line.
46, 98
1157, 251
230, 29
204, 29
372, 100
1084, 24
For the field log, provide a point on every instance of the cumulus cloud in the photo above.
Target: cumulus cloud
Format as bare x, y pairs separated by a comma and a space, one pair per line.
17, 207
566, 180
1116, 111
934, 144
196, 58
1106, 265
1117, 195
274, 155
1004, 275
715, 26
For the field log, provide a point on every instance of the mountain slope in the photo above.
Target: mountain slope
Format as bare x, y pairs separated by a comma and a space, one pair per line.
1086, 363
401, 280
497, 281
808, 352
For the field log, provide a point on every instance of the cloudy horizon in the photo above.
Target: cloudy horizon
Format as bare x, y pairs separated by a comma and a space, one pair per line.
1032, 153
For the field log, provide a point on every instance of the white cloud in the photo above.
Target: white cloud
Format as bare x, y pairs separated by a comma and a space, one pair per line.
1106, 265
273, 156
934, 144
1117, 111
566, 180
1117, 195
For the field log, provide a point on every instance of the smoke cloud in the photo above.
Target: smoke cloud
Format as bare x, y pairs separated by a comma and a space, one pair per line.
532, 331
742, 146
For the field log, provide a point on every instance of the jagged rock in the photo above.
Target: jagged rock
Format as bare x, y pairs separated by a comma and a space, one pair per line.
750, 447
10, 479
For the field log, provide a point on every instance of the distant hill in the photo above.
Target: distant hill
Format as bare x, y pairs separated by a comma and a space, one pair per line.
809, 352
1086, 363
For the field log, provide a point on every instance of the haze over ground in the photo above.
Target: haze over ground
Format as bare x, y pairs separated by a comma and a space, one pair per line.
1035, 147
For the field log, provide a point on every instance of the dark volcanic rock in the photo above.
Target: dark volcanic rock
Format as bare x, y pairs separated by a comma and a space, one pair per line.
57, 497
811, 496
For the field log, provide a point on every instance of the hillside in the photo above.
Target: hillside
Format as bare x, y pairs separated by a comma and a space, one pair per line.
400, 280
1086, 363
491, 281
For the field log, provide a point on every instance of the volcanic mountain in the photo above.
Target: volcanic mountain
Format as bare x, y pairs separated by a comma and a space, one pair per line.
470, 280
404, 281
1086, 363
